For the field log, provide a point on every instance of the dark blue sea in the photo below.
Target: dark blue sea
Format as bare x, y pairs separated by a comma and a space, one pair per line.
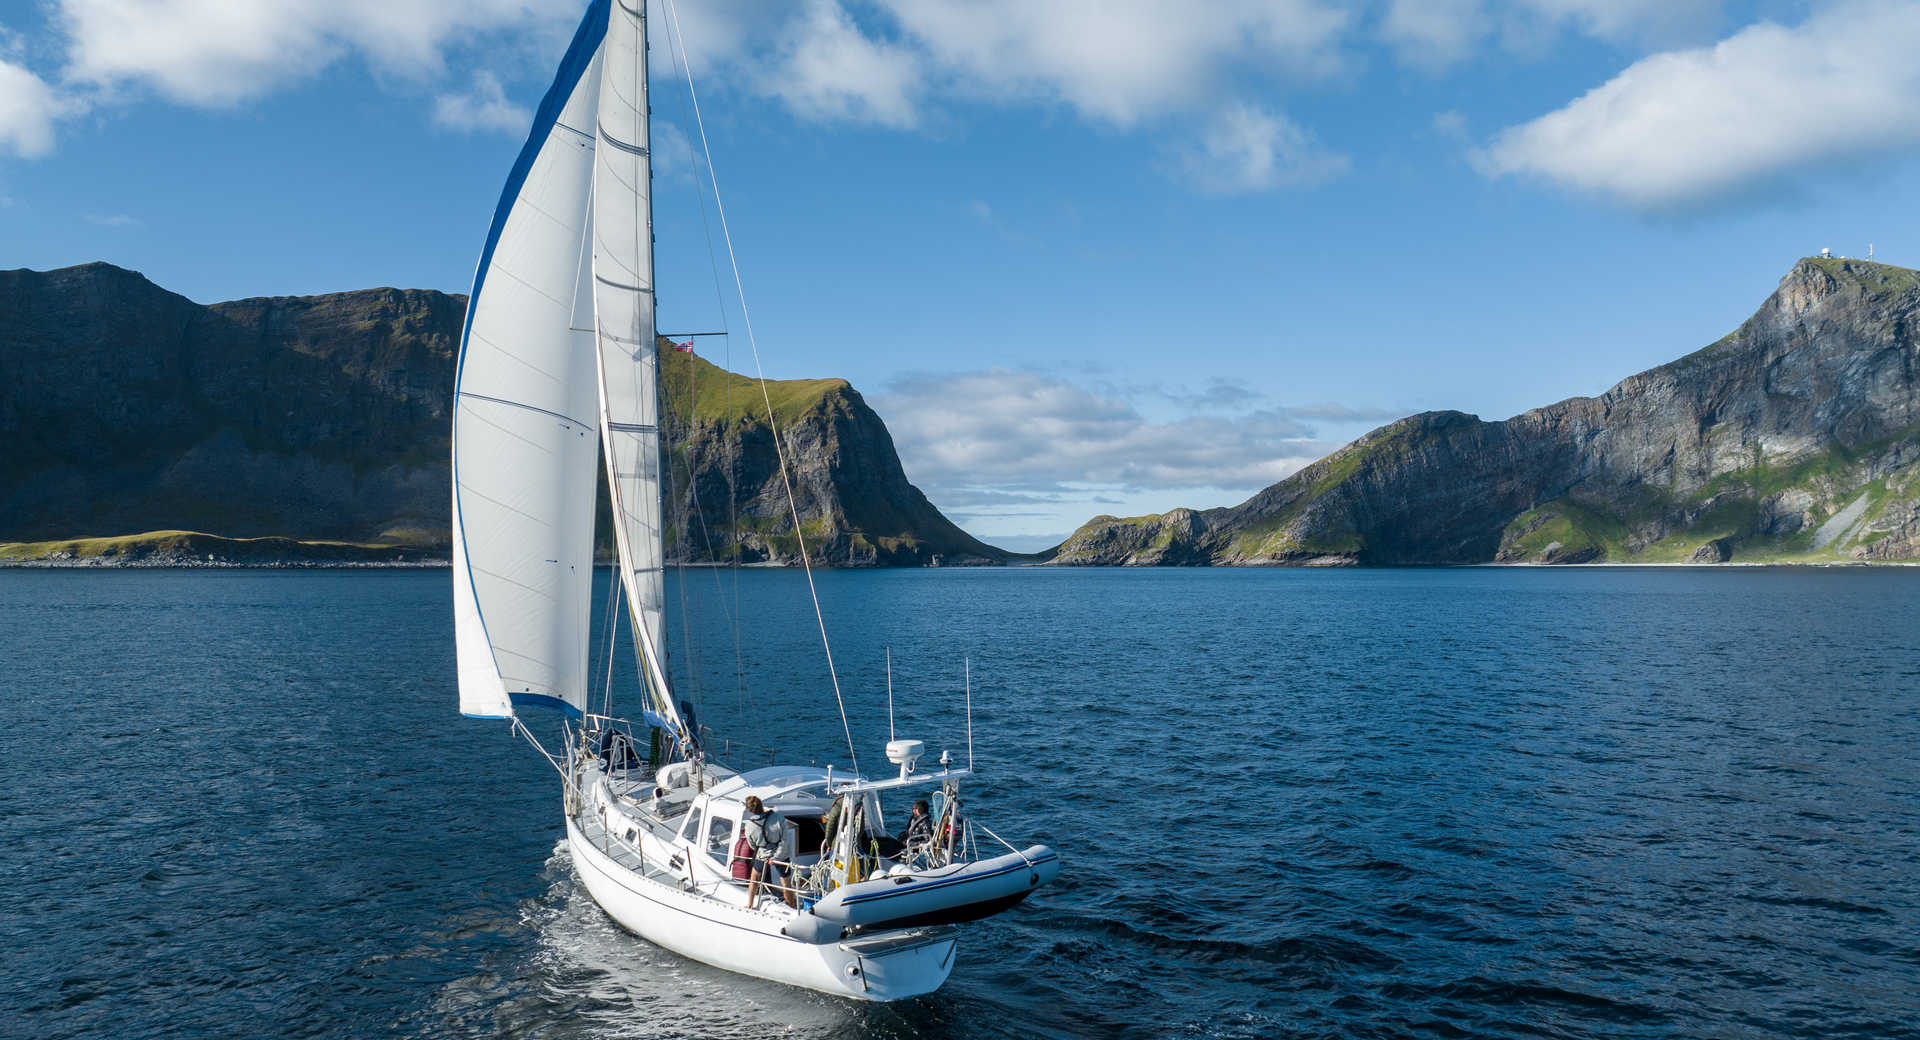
1403, 803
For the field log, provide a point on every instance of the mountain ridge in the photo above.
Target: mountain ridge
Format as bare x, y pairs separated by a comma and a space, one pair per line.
326, 419
1744, 449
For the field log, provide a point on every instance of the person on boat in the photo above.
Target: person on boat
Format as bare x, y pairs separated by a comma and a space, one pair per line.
766, 833
919, 828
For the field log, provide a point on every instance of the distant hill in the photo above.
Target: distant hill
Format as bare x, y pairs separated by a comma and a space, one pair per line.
128, 408
1796, 438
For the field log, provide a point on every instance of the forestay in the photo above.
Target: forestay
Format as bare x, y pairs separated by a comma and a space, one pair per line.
524, 444
628, 357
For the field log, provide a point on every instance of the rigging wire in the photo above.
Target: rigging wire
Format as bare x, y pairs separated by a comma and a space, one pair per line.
614, 597
680, 517
746, 319
743, 701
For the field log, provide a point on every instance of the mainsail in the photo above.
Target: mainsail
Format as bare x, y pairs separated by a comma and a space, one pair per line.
525, 405
627, 355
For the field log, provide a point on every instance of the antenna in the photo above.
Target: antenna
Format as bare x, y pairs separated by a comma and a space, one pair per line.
1869, 252
967, 665
889, 695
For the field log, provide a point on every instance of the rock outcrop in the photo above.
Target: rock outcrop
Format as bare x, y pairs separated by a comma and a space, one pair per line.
129, 408
1795, 438
727, 502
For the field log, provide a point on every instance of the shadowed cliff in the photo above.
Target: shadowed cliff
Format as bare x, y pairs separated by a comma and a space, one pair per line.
129, 408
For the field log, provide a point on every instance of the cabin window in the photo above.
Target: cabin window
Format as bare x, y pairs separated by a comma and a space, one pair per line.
719, 833
690, 833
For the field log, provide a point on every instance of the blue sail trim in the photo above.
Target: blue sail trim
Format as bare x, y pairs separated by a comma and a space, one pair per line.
586, 42
543, 700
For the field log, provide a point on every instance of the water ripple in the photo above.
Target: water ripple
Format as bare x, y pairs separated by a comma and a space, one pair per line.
1475, 803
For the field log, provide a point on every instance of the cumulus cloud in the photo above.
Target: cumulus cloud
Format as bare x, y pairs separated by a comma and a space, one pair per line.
1247, 149
29, 108
827, 70
1687, 127
1118, 60
1120, 63
888, 63
1435, 35
998, 440
484, 106
222, 52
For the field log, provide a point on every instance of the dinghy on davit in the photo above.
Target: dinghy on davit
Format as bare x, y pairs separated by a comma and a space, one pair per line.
558, 373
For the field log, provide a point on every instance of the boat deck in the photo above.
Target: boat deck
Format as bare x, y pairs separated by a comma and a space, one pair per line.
629, 857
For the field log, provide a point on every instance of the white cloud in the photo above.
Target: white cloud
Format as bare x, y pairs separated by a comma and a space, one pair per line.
1687, 127
1246, 149
29, 108
881, 62
222, 52
1433, 35
484, 107
976, 438
826, 69
1121, 63
1119, 60
1114, 61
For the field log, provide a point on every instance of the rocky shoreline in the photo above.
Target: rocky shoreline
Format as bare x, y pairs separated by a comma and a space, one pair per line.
188, 563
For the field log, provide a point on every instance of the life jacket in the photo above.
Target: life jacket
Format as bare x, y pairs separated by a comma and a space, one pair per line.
742, 864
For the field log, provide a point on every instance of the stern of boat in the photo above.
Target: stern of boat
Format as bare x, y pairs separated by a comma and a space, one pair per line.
899, 965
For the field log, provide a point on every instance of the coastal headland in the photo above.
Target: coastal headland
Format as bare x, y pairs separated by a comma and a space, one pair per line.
313, 431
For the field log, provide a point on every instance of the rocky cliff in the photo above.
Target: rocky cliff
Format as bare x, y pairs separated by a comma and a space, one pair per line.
727, 501
129, 408
1796, 438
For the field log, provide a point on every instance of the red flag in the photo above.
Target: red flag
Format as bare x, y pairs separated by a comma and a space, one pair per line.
684, 348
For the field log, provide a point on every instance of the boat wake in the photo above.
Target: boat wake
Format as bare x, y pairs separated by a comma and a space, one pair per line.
605, 982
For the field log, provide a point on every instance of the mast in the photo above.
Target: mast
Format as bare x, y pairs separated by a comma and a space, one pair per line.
626, 353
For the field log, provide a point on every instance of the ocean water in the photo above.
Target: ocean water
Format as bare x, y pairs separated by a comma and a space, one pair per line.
1403, 803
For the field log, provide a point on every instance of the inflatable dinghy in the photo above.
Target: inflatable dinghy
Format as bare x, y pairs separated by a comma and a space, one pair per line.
952, 894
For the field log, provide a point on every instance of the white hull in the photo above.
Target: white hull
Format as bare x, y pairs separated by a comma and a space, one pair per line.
888, 967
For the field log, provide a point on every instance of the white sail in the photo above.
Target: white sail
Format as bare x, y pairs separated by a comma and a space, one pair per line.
628, 358
524, 432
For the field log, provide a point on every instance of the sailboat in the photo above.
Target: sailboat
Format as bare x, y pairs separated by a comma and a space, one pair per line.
558, 375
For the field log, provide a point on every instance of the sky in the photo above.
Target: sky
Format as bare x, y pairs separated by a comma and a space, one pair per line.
1083, 256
